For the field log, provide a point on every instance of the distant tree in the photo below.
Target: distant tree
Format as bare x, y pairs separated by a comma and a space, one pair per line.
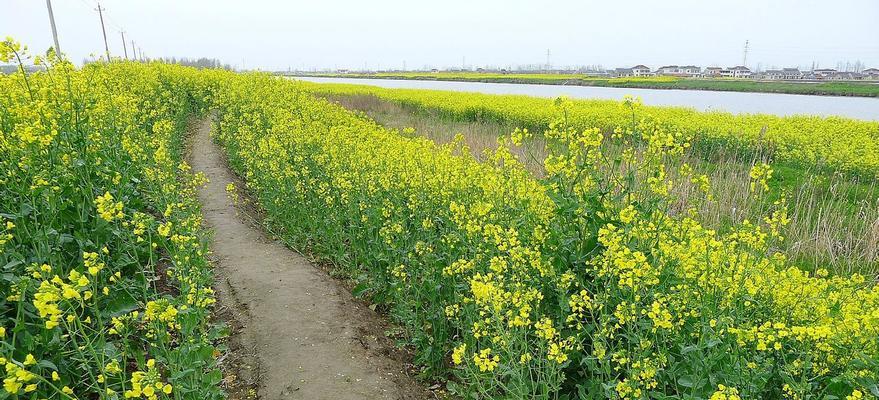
201, 63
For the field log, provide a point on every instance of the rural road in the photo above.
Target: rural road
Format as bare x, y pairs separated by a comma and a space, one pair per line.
298, 334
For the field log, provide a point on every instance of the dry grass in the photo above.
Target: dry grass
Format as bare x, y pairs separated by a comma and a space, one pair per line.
834, 218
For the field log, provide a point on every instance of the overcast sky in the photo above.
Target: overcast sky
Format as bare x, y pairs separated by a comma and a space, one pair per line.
385, 34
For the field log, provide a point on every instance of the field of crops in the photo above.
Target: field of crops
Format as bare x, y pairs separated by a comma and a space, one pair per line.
105, 291
576, 284
820, 142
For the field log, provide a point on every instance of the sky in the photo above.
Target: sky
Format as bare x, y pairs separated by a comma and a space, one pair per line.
384, 34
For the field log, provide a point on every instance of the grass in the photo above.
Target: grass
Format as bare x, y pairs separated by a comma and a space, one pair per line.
834, 217
857, 89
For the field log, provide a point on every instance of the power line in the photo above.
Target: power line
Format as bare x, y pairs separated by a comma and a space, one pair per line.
107, 20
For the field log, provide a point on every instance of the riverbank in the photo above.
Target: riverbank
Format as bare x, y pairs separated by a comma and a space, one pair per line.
847, 89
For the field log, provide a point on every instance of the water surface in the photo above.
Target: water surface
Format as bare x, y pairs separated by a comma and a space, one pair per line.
864, 108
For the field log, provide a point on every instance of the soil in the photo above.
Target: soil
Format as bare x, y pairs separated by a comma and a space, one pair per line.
296, 332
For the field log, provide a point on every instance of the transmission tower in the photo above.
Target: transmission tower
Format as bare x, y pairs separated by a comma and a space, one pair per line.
745, 57
548, 65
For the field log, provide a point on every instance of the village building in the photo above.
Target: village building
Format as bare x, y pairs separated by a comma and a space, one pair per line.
667, 70
712, 72
843, 76
786, 74
622, 72
871, 73
741, 72
691, 70
772, 74
822, 73
683, 71
791, 73
736, 72
641, 70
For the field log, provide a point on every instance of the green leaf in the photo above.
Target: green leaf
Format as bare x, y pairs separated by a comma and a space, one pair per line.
121, 302
686, 381
48, 364
360, 289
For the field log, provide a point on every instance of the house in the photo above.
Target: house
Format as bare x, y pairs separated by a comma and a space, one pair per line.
622, 72
641, 70
595, 72
791, 74
773, 74
712, 72
787, 74
740, 72
871, 73
843, 76
684, 71
824, 72
691, 70
809, 75
668, 70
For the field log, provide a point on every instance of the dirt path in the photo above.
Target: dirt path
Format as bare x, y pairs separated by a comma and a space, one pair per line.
297, 334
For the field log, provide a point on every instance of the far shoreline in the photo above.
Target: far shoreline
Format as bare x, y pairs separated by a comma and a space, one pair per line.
741, 86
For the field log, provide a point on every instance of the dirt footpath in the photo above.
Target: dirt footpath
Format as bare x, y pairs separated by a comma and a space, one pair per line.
297, 333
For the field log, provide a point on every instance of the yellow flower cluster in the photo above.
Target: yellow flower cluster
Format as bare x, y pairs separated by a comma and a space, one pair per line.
6, 234
147, 383
82, 299
485, 361
760, 174
162, 311
578, 282
725, 393
18, 378
855, 146
109, 210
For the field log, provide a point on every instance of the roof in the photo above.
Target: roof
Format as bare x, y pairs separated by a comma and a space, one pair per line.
668, 66
740, 68
713, 68
640, 66
791, 69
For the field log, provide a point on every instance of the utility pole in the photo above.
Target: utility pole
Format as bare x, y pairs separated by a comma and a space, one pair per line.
54, 31
104, 31
133, 51
547, 60
124, 46
745, 57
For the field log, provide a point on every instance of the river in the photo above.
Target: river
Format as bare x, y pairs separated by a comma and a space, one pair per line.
864, 108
